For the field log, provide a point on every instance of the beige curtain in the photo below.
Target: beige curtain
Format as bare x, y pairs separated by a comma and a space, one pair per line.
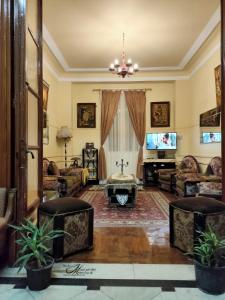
136, 103
110, 100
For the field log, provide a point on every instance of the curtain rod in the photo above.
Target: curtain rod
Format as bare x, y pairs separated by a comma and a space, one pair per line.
99, 90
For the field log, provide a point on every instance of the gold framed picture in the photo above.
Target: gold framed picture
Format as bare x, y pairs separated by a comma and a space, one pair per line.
86, 115
160, 114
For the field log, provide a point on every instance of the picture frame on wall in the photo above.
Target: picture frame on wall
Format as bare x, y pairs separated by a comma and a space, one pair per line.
45, 114
218, 85
210, 118
160, 114
45, 95
86, 115
45, 128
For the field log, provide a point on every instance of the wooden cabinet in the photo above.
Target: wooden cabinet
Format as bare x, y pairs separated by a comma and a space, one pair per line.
150, 176
90, 161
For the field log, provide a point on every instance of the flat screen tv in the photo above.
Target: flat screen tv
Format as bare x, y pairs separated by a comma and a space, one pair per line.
210, 137
161, 141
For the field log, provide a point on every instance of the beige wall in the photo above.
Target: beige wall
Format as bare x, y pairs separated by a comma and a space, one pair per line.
193, 97
161, 91
59, 114
189, 97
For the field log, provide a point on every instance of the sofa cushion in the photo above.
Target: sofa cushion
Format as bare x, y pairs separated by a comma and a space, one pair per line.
64, 205
53, 169
200, 204
45, 166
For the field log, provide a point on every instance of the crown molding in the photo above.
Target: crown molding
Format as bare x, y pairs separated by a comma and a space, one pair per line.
210, 26
121, 80
54, 48
205, 59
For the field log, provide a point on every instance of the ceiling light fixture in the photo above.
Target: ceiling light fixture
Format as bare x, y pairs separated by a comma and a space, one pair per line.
125, 67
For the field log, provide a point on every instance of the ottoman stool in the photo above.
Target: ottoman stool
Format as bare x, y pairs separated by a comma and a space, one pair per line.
188, 215
73, 215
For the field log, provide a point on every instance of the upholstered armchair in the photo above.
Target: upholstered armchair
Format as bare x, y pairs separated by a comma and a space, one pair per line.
211, 182
166, 178
7, 202
187, 177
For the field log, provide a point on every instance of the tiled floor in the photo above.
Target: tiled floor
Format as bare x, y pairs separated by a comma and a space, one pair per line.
108, 282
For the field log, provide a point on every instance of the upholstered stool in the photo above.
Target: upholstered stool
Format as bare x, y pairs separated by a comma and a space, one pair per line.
188, 215
73, 215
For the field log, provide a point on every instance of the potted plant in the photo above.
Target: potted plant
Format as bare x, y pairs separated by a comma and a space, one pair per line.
33, 253
209, 258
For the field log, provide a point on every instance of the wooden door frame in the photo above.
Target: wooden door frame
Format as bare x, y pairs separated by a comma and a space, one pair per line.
222, 5
20, 88
5, 93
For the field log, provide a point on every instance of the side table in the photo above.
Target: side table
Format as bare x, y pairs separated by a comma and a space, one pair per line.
121, 190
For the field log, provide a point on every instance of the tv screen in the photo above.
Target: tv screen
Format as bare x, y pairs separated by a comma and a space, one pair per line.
211, 137
161, 141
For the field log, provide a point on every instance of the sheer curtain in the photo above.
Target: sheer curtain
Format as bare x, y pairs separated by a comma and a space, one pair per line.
121, 141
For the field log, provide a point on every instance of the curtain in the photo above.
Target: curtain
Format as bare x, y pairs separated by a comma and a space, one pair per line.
136, 102
110, 100
121, 141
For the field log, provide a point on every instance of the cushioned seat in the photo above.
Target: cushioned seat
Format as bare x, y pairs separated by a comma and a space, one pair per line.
73, 215
189, 215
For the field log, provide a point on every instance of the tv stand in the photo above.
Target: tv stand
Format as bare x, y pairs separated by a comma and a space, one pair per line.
161, 154
151, 167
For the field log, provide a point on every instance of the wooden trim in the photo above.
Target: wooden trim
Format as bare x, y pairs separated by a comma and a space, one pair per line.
40, 107
31, 208
5, 94
223, 95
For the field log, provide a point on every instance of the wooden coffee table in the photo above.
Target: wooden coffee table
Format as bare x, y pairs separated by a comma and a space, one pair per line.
121, 190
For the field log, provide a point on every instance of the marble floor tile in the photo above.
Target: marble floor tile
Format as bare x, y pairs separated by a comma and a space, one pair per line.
131, 293
196, 294
16, 294
164, 272
100, 271
55, 292
92, 295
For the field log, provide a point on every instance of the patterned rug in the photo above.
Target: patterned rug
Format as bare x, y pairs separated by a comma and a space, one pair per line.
150, 212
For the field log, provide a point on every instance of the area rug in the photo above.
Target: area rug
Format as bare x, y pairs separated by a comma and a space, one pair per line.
151, 213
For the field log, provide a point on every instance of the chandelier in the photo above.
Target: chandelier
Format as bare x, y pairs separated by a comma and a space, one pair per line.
125, 67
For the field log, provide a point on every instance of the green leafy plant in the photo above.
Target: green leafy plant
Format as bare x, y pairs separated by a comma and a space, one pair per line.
32, 241
209, 250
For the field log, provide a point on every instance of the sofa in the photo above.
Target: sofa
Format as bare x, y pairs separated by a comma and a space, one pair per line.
210, 184
62, 182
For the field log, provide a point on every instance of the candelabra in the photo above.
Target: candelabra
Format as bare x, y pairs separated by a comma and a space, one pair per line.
121, 165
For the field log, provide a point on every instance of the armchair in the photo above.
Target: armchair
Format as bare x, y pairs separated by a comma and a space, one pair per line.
7, 199
211, 183
187, 177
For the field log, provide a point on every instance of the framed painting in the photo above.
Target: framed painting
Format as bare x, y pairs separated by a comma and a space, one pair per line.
160, 114
218, 85
45, 128
210, 118
45, 115
45, 95
86, 115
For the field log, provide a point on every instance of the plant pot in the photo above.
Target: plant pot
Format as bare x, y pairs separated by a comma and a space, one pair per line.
39, 278
210, 280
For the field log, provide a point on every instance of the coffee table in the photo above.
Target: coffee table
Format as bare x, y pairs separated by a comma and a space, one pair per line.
121, 190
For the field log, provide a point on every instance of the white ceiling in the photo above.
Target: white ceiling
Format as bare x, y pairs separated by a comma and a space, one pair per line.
161, 34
